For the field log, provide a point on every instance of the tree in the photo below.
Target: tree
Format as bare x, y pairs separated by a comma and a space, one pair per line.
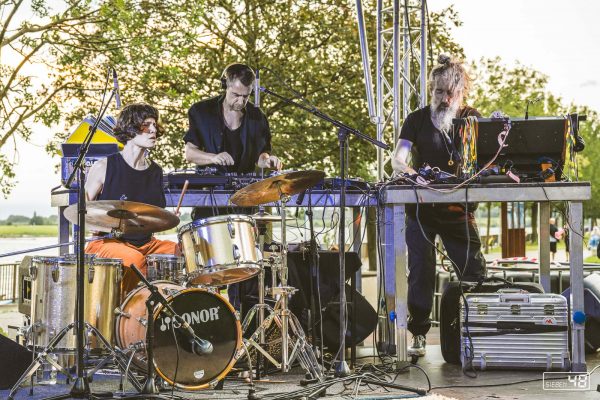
30, 33
172, 54
36, 219
498, 87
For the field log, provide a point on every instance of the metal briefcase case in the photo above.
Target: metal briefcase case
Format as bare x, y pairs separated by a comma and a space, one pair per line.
515, 330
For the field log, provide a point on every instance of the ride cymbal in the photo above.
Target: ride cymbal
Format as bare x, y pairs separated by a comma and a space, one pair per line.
125, 216
270, 190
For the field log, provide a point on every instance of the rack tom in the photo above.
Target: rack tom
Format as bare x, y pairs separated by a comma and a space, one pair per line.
165, 267
220, 250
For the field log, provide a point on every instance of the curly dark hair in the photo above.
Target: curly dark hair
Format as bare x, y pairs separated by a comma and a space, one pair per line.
130, 121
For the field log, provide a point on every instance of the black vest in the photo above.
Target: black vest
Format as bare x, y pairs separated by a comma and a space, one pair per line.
122, 182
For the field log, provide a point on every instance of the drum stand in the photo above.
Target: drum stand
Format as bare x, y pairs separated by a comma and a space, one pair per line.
49, 349
291, 330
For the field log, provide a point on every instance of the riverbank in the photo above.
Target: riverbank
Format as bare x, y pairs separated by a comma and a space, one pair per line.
18, 231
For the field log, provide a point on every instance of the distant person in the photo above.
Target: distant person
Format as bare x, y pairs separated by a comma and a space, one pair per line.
594, 238
565, 236
553, 238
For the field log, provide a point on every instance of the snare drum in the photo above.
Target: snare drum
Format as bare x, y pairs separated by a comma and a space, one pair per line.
220, 250
54, 293
165, 267
210, 316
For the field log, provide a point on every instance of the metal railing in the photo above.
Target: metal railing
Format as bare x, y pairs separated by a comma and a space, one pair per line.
8, 282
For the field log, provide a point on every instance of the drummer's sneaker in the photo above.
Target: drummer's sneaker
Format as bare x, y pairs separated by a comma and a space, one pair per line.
418, 346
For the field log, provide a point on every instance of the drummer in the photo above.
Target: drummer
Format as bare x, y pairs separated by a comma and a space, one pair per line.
130, 175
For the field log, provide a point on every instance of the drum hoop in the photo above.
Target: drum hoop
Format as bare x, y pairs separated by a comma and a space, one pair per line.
164, 257
216, 219
239, 340
126, 301
45, 259
109, 261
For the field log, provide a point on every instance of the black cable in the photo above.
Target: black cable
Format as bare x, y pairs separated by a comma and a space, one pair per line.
176, 360
469, 351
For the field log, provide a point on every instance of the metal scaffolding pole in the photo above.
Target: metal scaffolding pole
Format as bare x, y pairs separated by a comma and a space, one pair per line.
399, 91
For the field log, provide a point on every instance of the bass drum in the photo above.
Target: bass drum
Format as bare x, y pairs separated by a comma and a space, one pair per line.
211, 317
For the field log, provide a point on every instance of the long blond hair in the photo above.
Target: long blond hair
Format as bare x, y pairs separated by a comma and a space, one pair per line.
453, 71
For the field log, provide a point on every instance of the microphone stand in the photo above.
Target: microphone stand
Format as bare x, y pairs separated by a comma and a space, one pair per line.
150, 391
81, 387
341, 367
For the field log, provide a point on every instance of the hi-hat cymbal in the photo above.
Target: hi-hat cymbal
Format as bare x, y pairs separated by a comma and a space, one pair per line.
269, 190
267, 218
125, 216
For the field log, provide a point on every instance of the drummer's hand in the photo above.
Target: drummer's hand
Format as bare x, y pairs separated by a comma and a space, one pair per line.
271, 162
223, 158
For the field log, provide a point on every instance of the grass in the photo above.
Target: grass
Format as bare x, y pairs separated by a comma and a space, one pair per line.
13, 231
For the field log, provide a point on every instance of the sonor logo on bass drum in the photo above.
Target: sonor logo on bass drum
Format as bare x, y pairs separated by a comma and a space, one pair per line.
192, 318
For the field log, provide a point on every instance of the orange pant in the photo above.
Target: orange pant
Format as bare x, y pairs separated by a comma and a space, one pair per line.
130, 254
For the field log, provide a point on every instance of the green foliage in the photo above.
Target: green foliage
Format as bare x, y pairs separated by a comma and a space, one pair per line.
51, 28
170, 53
498, 87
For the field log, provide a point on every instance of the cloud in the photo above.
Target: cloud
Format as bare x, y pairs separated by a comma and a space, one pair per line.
589, 83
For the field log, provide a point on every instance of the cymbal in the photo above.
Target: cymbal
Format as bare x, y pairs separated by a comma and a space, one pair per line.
269, 190
267, 218
125, 216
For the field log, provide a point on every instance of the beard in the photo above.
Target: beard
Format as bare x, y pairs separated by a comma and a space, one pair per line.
442, 115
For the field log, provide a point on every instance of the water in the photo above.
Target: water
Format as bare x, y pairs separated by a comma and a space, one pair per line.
8, 245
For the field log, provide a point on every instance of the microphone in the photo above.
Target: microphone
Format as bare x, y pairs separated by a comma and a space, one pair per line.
200, 347
116, 89
300, 197
257, 88
531, 102
579, 142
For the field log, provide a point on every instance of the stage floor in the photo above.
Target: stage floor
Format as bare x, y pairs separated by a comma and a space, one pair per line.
447, 381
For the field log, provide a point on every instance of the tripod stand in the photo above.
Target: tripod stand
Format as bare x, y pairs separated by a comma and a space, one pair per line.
291, 330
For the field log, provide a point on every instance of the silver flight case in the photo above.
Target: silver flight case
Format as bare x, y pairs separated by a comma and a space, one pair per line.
515, 330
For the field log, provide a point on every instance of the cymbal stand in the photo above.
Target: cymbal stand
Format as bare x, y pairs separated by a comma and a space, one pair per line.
262, 230
43, 355
291, 330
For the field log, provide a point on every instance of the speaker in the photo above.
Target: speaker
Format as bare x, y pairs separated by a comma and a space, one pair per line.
15, 360
366, 321
591, 305
299, 275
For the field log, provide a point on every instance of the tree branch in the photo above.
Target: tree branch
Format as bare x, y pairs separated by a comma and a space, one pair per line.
27, 114
18, 68
6, 23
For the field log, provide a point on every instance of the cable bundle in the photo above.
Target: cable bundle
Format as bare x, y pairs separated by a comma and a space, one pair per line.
569, 154
468, 134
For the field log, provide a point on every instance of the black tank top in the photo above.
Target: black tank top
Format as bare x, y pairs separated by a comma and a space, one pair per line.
122, 182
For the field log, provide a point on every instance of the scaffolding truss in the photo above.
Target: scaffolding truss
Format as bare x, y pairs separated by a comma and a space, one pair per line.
400, 72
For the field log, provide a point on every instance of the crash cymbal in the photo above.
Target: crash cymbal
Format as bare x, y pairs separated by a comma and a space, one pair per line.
125, 216
267, 218
269, 190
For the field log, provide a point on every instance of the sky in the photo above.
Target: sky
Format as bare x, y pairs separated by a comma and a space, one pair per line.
557, 38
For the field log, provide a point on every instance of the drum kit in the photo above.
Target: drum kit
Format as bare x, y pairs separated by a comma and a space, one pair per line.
195, 333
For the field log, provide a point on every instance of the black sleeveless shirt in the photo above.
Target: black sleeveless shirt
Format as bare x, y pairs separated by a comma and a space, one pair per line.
122, 182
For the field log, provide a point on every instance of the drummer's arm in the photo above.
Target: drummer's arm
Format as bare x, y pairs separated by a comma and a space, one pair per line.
95, 179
